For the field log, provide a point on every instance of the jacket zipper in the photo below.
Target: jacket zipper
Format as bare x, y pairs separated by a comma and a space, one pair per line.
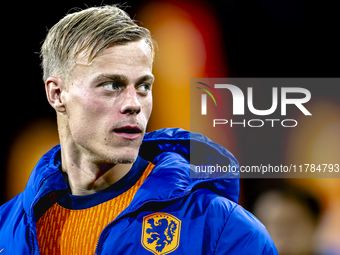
32, 218
111, 224
32, 241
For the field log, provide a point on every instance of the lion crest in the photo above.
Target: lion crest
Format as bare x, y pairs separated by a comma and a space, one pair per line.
161, 232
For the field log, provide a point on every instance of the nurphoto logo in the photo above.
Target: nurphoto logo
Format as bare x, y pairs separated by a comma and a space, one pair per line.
301, 96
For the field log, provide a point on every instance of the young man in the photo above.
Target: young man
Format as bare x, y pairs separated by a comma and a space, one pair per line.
102, 191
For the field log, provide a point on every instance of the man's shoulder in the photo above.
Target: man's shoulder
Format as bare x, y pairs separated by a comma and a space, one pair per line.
242, 232
250, 235
213, 202
224, 208
14, 203
10, 213
14, 226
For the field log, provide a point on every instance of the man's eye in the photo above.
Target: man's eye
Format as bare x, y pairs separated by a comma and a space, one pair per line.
145, 87
111, 86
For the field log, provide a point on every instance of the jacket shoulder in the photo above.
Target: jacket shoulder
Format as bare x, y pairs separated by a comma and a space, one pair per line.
243, 233
10, 209
14, 226
228, 228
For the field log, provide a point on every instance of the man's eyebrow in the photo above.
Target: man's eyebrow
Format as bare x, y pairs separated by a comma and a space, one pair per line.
145, 78
114, 77
123, 78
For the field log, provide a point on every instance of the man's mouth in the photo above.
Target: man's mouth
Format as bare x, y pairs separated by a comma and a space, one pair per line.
128, 132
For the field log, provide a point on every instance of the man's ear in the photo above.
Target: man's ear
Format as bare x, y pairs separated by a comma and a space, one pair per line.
54, 88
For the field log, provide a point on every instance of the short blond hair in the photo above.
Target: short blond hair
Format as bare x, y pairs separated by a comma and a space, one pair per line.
88, 31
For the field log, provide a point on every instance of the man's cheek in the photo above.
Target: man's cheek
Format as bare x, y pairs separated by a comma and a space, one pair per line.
147, 109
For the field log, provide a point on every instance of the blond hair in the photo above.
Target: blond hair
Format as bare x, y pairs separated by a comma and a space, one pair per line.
88, 31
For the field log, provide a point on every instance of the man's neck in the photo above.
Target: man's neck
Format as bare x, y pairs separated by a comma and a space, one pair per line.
86, 177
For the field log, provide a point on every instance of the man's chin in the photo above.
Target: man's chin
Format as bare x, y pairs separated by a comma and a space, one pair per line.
114, 155
125, 160
128, 158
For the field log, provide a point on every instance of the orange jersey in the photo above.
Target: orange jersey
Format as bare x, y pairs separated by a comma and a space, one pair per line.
67, 231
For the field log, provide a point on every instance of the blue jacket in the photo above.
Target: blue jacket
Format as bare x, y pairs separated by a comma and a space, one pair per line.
170, 213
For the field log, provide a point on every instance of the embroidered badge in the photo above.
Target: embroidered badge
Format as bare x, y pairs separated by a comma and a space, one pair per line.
161, 233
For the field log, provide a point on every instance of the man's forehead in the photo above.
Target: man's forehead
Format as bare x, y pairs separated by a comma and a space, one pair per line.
132, 60
130, 50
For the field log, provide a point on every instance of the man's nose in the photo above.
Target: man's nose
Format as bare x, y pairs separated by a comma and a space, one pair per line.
130, 103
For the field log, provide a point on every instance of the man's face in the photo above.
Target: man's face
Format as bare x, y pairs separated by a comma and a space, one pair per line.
108, 102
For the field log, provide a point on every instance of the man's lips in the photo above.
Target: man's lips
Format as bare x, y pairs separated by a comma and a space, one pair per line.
128, 129
128, 132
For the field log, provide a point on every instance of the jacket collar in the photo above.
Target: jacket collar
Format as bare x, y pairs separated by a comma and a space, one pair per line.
197, 150
169, 149
44, 179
